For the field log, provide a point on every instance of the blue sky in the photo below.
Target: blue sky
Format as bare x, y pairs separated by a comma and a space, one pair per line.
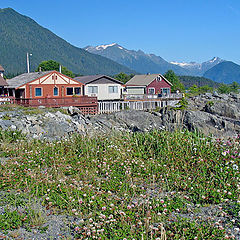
180, 30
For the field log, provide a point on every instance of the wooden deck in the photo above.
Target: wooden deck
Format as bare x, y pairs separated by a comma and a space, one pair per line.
87, 105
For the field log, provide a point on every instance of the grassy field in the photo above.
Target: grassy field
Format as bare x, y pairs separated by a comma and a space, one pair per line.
132, 186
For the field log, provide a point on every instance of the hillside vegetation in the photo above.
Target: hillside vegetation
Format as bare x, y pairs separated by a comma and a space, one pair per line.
20, 34
188, 81
124, 186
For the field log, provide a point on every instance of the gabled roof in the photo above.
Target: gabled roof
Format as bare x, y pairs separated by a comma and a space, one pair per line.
144, 80
1, 69
3, 81
25, 78
93, 78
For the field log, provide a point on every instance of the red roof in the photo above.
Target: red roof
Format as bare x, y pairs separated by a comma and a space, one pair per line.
1, 69
3, 81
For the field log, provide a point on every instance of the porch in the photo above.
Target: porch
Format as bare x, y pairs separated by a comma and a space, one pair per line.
87, 105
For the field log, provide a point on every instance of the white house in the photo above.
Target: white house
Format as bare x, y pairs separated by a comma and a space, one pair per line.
103, 87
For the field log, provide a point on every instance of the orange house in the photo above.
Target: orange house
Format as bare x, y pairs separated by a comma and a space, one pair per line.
50, 84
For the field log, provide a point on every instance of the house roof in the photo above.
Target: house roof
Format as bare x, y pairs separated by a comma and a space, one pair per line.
25, 78
1, 69
93, 78
3, 81
144, 80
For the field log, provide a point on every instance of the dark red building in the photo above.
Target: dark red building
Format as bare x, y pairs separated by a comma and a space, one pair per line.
149, 84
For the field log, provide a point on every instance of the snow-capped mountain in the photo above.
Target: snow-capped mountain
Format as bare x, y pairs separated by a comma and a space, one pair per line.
136, 60
199, 68
150, 63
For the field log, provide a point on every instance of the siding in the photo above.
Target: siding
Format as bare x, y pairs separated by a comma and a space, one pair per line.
103, 92
158, 85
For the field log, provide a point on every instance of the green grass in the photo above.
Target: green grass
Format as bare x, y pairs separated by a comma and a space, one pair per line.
128, 185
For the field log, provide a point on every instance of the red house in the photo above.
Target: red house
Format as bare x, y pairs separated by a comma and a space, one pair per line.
50, 89
50, 84
150, 84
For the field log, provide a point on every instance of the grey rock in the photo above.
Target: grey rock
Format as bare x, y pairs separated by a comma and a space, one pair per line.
5, 124
208, 95
235, 95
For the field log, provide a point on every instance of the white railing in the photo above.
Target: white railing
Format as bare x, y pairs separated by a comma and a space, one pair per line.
152, 96
109, 107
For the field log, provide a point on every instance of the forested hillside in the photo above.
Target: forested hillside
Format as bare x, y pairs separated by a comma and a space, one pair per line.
188, 81
20, 34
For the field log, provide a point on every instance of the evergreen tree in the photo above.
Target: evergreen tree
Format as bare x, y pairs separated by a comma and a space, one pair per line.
123, 77
173, 78
235, 87
224, 88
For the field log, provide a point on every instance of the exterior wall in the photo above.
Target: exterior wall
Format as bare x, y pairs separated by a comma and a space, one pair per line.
158, 85
103, 91
47, 90
48, 83
134, 90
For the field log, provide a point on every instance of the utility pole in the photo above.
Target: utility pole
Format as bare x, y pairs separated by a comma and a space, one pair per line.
28, 62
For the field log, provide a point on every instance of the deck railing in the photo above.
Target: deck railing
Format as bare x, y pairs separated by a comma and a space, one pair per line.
145, 97
88, 105
6, 100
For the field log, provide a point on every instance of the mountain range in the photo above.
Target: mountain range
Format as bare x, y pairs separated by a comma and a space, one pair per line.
216, 68
144, 63
20, 34
198, 69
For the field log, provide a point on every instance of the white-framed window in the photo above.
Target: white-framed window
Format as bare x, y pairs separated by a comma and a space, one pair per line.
55, 91
151, 91
69, 91
165, 91
38, 92
92, 89
113, 89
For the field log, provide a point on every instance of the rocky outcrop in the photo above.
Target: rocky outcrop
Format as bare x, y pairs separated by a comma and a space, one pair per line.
211, 114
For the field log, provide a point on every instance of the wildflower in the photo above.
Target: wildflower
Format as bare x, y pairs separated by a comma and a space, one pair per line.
104, 208
76, 229
224, 153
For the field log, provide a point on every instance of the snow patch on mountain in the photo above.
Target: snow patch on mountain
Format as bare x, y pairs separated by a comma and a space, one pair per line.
100, 47
184, 64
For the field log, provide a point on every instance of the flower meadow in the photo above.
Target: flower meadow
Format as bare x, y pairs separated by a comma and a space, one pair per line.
156, 185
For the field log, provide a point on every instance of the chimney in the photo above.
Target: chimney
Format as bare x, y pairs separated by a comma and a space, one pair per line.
40, 69
60, 68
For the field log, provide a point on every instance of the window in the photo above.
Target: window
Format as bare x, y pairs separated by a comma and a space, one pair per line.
113, 89
165, 91
55, 91
92, 89
69, 91
151, 91
38, 92
77, 91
